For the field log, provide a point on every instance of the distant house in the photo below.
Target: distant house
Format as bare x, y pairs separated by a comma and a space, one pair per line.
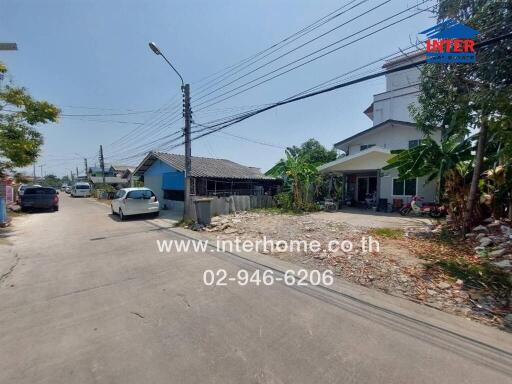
164, 174
117, 176
367, 152
123, 171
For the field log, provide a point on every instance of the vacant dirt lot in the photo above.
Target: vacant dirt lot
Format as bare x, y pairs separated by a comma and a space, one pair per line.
404, 266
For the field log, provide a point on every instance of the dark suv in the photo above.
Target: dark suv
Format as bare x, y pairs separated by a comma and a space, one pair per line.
39, 198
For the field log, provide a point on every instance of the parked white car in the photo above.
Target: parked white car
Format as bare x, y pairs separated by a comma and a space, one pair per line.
81, 190
135, 201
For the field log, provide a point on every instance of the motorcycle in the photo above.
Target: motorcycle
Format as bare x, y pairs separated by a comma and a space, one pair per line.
433, 210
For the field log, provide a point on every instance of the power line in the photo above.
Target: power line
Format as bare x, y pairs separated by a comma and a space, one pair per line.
105, 114
221, 126
102, 120
313, 59
288, 52
305, 30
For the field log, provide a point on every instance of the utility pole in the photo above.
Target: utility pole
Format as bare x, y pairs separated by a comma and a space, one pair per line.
86, 167
102, 163
77, 172
41, 167
187, 114
34, 174
72, 178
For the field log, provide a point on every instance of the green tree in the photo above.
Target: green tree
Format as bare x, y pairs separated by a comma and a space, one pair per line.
298, 173
20, 142
463, 98
431, 160
52, 181
314, 152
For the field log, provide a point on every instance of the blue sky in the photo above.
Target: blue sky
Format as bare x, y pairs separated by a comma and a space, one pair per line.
91, 57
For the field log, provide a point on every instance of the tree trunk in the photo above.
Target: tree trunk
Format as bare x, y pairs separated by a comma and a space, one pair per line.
477, 171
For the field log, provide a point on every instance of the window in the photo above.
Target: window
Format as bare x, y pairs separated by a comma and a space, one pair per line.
414, 143
120, 194
366, 146
40, 191
141, 194
174, 194
404, 187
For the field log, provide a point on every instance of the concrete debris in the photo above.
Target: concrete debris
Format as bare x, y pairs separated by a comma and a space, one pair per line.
480, 229
402, 267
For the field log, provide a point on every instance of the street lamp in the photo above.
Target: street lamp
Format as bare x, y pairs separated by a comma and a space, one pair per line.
8, 47
187, 114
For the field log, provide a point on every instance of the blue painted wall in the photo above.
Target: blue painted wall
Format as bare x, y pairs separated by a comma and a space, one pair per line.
171, 178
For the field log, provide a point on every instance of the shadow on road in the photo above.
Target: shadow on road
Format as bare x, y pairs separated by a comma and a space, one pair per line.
146, 217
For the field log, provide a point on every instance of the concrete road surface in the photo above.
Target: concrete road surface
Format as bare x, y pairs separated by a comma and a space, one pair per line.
89, 299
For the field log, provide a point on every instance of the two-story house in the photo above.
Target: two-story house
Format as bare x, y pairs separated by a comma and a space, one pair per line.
367, 152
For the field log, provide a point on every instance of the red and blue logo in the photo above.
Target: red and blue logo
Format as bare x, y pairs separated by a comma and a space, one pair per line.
450, 42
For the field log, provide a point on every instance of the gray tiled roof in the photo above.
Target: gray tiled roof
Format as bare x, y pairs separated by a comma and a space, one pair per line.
206, 167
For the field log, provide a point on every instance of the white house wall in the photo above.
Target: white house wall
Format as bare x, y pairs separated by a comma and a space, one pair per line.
427, 191
394, 105
388, 137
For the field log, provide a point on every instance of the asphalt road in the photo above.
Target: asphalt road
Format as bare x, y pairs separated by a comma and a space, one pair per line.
89, 299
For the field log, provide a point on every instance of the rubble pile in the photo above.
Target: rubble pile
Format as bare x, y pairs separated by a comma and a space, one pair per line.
493, 239
398, 269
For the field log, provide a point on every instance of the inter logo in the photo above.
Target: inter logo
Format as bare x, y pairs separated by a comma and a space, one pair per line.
450, 42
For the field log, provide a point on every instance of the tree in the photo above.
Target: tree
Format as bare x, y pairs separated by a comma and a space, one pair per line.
463, 98
20, 142
52, 181
298, 173
314, 152
431, 160
298, 169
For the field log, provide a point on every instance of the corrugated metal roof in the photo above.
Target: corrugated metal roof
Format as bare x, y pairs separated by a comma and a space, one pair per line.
205, 167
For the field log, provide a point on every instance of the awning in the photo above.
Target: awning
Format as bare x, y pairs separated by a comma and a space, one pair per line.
369, 159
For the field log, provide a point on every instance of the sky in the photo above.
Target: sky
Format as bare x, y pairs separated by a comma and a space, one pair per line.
91, 57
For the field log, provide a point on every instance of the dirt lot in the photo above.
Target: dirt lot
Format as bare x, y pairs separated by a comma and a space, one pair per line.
421, 270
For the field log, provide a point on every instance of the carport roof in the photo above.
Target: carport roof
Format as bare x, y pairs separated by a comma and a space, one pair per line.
369, 159
203, 167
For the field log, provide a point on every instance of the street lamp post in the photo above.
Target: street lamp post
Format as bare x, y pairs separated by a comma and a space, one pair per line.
187, 114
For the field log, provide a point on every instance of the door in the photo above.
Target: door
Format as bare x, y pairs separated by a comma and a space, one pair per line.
362, 188
372, 184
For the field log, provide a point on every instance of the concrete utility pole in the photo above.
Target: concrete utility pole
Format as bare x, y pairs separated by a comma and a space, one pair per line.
102, 163
187, 114
41, 167
86, 167
34, 174
77, 172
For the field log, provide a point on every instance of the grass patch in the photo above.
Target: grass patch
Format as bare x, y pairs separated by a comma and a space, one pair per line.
390, 233
477, 275
184, 223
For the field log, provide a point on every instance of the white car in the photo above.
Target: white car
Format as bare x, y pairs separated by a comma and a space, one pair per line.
81, 190
135, 201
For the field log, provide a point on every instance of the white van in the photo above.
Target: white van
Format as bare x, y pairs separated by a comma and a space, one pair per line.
81, 190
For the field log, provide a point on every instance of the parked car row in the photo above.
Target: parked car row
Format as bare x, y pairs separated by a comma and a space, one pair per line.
126, 202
